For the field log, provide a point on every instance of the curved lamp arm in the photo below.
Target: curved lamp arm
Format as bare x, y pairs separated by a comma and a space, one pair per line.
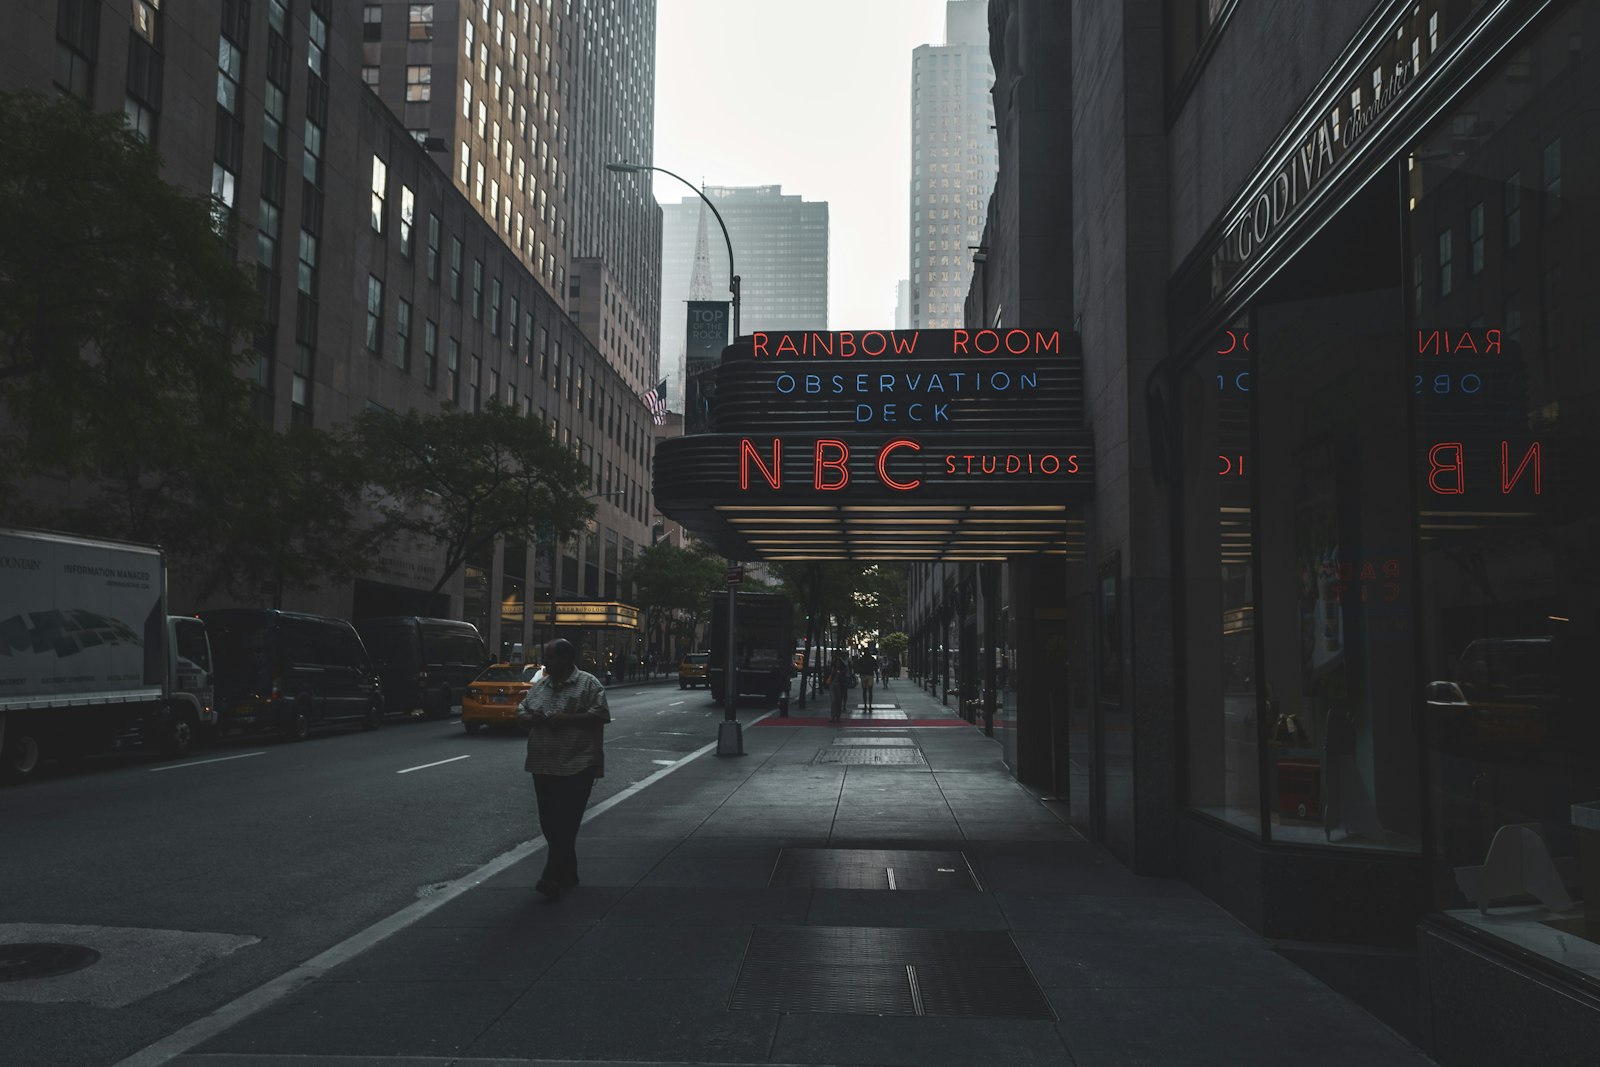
733, 279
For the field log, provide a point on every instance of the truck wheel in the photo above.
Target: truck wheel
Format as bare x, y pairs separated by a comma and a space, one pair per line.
179, 736
374, 717
441, 710
23, 756
297, 727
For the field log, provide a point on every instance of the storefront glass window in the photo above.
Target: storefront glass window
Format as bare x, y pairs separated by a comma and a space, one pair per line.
1334, 528
1219, 589
1507, 428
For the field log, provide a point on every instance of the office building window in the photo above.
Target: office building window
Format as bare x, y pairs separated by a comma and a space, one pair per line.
372, 22
419, 24
1475, 236
402, 329
1445, 264
380, 180
433, 247
430, 353
452, 369
316, 43
419, 84
1552, 179
229, 65
408, 208
1513, 210
374, 315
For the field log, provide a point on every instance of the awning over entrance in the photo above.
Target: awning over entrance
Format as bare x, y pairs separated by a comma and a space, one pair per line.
601, 614
944, 444
891, 533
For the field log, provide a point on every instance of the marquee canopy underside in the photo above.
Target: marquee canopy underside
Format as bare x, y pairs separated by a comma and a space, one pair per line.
789, 533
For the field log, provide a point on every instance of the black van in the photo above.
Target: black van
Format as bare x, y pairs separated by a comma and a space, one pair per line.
424, 663
280, 670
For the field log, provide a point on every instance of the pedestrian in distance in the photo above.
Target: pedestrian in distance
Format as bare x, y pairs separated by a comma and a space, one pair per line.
867, 667
838, 683
566, 714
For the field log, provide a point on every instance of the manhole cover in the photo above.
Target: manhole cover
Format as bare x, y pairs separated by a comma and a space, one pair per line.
905, 757
42, 960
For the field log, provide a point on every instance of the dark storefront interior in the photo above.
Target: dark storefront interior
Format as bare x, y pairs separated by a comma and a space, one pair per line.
1388, 586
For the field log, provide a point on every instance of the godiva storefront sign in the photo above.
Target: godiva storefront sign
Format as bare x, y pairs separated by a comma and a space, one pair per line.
1375, 80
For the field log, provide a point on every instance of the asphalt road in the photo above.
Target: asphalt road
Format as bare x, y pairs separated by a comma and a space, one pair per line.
299, 845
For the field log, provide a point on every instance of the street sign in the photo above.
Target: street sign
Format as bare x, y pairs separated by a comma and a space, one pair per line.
735, 574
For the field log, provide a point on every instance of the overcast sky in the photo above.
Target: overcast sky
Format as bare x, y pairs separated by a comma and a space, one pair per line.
814, 96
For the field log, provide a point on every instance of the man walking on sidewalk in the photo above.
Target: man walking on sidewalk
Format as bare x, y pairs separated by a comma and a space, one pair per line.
566, 714
867, 668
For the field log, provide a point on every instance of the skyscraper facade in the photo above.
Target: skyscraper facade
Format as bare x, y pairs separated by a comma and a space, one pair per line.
953, 163
530, 100
384, 283
780, 247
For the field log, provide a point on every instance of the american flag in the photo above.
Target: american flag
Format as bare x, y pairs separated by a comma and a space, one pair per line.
656, 400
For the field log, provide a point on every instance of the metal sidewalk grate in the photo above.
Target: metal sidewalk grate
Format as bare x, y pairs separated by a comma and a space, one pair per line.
901, 757
872, 868
887, 971
885, 742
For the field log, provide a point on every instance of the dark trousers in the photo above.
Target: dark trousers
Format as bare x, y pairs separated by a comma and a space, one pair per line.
562, 798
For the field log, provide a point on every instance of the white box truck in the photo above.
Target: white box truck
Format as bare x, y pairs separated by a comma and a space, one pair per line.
89, 659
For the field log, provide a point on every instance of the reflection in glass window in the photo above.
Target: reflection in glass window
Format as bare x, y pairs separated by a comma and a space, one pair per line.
1220, 596
1509, 524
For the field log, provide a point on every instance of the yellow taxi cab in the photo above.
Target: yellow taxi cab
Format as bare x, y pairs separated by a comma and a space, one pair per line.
799, 660
492, 698
693, 670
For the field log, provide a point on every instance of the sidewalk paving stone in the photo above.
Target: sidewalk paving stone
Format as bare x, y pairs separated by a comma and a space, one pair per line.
643, 963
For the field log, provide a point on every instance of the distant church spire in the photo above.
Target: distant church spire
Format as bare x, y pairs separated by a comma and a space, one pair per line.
700, 285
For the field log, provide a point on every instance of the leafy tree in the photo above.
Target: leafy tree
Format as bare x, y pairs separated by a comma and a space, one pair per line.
894, 644
880, 596
121, 309
461, 479
294, 516
672, 584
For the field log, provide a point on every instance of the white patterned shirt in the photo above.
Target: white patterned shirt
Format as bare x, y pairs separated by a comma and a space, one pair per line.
567, 748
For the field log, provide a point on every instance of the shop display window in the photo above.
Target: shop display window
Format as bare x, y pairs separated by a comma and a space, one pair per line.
1334, 529
1298, 549
1506, 397
1219, 595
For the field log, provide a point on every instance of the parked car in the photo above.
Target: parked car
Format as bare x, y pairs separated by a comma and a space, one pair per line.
492, 698
423, 663
694, 670
288, 672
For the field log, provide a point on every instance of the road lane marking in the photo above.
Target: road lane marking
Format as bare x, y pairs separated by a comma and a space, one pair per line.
440, 763
674, 704
664, 762
196, 763
273, 990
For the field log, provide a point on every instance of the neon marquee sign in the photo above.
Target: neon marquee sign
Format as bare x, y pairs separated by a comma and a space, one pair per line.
996, 385
919, 421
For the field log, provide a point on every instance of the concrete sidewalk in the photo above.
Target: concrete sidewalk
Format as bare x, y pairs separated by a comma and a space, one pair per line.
881, 892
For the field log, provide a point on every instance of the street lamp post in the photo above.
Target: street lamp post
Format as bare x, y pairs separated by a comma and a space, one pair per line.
733, 279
